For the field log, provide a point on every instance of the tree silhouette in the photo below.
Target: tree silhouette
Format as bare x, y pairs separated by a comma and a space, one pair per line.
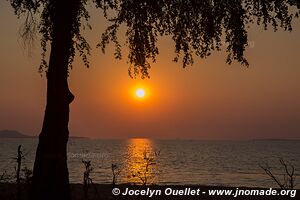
197, 28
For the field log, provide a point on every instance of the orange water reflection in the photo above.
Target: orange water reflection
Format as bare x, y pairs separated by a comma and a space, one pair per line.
140, 164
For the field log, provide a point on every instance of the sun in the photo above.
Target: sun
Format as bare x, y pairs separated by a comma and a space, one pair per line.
140, 93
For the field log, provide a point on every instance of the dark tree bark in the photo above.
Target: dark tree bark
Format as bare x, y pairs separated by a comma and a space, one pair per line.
50, 173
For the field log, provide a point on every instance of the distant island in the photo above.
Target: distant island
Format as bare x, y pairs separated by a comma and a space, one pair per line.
17, 134
274, 139
13, 134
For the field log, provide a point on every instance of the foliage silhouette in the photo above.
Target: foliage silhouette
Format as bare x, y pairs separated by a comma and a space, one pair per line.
87, 180
195, 26
289, 175
145, 173
116, 171
18, 169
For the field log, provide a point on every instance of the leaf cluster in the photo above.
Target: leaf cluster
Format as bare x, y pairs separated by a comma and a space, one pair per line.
197, 27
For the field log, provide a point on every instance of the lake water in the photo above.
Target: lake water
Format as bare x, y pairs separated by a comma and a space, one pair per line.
226, 163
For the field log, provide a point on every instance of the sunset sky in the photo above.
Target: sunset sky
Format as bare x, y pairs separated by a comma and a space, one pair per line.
209, 100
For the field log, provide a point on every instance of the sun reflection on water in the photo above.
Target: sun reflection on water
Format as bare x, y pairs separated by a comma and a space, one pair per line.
140, 164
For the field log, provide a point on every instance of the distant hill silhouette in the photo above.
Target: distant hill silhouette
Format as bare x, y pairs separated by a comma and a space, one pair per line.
13, 134
17, 134
274, 139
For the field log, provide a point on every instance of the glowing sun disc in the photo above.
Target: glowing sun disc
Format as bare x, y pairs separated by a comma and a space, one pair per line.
140, 93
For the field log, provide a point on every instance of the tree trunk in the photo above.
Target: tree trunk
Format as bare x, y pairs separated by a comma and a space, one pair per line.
50, 173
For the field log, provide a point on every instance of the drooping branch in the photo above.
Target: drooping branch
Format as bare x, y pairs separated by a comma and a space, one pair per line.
39, 17
196, 27
28, 31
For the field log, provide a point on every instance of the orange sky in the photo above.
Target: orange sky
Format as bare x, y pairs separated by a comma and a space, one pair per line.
209, 100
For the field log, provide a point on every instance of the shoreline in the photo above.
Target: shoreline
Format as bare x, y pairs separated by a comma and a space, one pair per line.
155, 192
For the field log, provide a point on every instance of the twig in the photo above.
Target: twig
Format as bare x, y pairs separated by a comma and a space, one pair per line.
288, 176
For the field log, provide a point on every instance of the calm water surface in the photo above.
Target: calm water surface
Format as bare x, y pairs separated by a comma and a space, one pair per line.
230, 163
